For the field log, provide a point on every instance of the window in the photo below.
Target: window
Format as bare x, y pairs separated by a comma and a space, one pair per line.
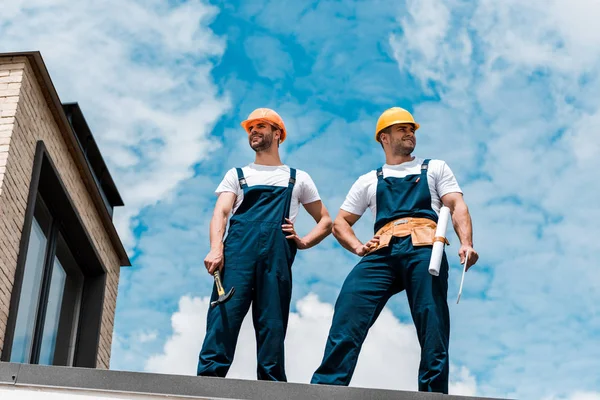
50, 296
56, 304
31, 285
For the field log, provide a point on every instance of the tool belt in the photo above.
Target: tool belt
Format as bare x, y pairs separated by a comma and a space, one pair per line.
421, 230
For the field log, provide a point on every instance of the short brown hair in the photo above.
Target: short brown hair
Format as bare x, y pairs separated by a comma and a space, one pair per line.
387, 130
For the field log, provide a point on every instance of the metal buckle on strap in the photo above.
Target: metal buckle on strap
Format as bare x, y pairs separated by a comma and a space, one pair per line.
292, 180
242, 181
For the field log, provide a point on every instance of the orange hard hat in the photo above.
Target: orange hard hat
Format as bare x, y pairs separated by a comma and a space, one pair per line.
266, 115
392, 116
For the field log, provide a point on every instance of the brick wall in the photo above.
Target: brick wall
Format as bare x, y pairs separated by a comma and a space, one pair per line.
26, 117
11, 75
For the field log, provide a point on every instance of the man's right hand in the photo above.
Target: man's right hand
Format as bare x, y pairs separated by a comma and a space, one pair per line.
214, 260
365, 248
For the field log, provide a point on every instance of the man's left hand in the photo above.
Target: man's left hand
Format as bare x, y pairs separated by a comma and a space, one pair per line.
473, 256
289, 229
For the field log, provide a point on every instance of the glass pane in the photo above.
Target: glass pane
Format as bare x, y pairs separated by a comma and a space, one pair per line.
58, 340
55, 300
30, 294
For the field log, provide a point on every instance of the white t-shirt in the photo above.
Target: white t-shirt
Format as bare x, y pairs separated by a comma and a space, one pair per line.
304, 191
363, 193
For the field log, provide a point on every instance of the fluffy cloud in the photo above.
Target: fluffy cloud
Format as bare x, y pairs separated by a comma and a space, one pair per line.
141, 72
389, 358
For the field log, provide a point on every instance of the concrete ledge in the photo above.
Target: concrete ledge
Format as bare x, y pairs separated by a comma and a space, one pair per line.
194, 387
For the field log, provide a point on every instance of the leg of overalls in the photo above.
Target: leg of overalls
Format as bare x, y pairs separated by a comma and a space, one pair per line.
364, 293
427, 298
271, 306
225, 320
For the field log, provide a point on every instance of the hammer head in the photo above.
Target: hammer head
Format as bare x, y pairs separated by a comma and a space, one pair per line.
224, 298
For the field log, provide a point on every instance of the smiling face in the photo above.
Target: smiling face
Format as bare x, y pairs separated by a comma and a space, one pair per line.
399, 139
262, 135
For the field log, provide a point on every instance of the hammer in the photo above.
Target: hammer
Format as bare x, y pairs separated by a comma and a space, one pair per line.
223, 298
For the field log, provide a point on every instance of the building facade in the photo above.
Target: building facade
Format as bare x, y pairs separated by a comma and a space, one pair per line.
60, 254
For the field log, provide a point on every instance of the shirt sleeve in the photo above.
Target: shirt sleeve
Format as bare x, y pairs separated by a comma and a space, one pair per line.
446, 181
308, 189
229, 183
357, 199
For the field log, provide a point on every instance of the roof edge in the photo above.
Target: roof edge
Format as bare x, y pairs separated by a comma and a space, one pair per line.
41, 71
194, 386
114, 191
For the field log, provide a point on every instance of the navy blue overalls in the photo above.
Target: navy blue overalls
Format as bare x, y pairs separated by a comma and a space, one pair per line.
258, 262
383, 273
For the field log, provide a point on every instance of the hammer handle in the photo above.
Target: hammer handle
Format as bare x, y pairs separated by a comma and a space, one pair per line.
220, 289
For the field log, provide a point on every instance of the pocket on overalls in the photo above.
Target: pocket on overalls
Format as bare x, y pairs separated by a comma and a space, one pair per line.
422, 235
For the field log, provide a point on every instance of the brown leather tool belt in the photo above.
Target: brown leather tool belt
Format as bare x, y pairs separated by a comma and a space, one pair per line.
421, 230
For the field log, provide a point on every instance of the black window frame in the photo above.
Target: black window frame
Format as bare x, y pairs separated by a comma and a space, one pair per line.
47, 185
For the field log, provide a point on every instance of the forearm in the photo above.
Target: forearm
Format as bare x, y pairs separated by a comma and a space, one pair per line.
345, 235
461, 219
318, 233
217, 230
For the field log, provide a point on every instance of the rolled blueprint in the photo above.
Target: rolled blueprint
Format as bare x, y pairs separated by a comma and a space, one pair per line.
438, 246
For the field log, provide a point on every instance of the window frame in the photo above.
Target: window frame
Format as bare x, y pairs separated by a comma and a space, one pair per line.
47, 184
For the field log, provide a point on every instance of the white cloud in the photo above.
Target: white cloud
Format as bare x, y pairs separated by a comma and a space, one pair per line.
142, 73
433, 19
389, 358
463, 382
147, 336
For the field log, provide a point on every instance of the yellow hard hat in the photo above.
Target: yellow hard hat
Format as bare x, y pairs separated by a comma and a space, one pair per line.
266, 115
394, 115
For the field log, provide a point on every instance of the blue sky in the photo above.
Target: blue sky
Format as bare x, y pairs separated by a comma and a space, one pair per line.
507, 94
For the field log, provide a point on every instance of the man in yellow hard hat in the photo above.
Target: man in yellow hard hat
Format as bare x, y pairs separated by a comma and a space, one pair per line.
256, 257
405, 197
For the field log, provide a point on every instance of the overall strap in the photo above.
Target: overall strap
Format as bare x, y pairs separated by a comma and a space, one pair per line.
241, 178
292, 180
379, 173
425, 166
288, 200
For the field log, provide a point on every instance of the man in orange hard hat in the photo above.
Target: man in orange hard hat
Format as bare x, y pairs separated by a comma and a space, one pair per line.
256, 258
405, 197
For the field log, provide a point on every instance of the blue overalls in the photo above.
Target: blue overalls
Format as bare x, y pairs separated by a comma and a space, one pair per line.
258, 262
383, 273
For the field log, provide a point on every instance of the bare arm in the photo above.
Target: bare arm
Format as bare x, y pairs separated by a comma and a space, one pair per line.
461, 219
218, 223
323, 228
343, 232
